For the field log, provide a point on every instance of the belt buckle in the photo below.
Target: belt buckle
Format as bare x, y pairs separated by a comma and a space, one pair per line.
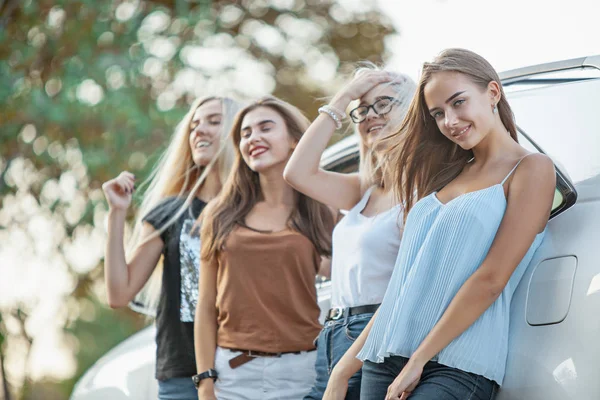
337, 313
257, 354
252, 354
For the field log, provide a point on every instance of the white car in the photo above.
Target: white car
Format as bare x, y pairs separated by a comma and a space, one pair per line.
555, 323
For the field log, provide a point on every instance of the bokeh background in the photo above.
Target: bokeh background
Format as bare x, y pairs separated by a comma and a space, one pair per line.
89, 88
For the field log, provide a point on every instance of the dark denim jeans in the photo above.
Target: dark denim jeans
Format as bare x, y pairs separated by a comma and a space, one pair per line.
438, 382
177, 389
333, 341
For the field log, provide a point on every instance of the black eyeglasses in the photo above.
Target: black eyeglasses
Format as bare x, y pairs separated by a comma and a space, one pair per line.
380, 107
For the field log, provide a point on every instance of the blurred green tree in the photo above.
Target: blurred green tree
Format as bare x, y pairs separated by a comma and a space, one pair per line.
89, 88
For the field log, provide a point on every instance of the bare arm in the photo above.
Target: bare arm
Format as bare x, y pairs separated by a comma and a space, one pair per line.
124, 280
529, 202
341, 191
305, 175
347, 366
205, 325
325, 267
528, 206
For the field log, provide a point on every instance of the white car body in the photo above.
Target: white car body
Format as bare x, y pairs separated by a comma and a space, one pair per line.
555, 324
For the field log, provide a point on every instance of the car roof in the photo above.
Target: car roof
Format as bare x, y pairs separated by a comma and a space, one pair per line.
348, 146
526, 73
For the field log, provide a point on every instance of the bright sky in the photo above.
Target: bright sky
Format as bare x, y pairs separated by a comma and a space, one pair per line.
508, 33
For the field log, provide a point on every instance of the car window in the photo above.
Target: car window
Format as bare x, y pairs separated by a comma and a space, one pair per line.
349, 164
562, 119
550, 78
559, 193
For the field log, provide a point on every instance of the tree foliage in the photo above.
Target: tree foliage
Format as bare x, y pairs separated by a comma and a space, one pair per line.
89, 88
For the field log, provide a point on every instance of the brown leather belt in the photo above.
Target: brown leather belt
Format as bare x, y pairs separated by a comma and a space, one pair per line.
249, 355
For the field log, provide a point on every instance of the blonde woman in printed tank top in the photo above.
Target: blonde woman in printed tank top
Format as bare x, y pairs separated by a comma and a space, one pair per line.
366, 240
262, 242
190, 172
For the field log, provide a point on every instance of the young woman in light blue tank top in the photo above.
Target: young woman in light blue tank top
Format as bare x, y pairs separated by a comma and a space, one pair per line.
477, 207
366, 241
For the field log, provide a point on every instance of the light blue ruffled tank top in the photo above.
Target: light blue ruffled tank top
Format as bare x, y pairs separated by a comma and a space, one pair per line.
442, 246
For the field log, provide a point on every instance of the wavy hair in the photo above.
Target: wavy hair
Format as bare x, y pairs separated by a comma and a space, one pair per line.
422, 158
242, 191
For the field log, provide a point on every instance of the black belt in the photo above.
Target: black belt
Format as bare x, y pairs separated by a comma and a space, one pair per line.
340, 312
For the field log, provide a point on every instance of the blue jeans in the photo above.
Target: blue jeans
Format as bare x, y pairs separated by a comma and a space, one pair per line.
438, 382
333, 341
177, 389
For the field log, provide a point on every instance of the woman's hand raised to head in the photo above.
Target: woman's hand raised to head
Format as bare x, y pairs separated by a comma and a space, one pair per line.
119, 191
337, 190
358, 86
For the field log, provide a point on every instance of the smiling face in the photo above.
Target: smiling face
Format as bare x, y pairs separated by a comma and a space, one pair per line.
376, 126
265, 142
461, 109
205, 132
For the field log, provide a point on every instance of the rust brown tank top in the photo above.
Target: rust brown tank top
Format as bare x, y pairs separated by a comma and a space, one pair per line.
266, 295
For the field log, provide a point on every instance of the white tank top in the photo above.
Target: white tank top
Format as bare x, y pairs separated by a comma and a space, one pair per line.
364, 255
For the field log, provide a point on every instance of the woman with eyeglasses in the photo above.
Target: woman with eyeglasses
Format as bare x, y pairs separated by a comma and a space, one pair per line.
476, 204
366, 240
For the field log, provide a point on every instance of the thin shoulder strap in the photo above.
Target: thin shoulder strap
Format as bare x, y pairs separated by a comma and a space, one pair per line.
513, 170
363, 202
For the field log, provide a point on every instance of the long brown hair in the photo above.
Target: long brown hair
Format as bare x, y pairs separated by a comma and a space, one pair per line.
242, 191
424, 160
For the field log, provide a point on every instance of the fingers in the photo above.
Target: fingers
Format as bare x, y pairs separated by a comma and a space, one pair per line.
124, 183
394, 393
129, 179
390, 393
128, 175
367, 81
374, 78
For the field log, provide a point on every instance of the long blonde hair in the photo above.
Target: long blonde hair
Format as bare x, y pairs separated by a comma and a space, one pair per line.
242, 191
176, 174
371, 167
424, 160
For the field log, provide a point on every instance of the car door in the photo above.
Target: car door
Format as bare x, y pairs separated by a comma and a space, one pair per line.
554, 351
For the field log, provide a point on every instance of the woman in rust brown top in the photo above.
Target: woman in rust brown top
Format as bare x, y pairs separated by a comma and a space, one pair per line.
262, 242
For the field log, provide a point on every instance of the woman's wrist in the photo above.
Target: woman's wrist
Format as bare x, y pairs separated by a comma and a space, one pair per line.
115, 219
418, 358
116, 212
336, 109
343, 371
336, 116
206, 386
340, 101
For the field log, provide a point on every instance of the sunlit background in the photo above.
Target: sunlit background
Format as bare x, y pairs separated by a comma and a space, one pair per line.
89, 88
